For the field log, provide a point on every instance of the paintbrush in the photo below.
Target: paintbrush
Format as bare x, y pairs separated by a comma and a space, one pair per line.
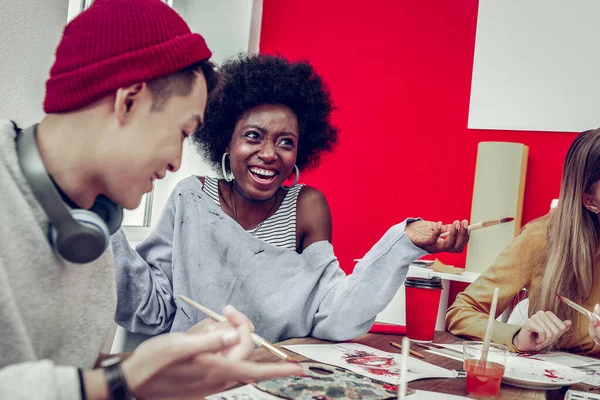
258, 340
414, 353
403, 368
484, 224
579, 308
490, 327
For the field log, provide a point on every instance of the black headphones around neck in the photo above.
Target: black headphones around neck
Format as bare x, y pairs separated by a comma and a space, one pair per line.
78, 235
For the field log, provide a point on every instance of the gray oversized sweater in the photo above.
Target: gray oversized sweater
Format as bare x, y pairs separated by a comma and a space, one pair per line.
199, 251
54, 315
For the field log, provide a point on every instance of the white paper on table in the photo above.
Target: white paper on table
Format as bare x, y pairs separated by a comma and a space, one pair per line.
247, 392
370, 362
593, 374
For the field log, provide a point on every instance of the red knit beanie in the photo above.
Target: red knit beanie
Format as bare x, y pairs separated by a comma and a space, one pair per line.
117, 43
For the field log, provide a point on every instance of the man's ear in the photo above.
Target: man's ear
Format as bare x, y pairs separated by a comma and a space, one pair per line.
126, 100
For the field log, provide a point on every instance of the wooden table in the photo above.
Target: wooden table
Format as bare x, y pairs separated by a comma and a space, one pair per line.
451, 386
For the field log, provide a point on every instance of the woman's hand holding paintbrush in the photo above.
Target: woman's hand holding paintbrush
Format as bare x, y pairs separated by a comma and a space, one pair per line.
428, 236
484, 224
594, 317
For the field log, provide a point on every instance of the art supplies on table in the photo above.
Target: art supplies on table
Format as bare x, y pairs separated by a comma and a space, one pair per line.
325, 381
534, 371
453, 351
484, 371
592, 373
541, 375
557, 357
249, 392
485, 362
490, 326
579, 395
412, 352
370, 362
402, 387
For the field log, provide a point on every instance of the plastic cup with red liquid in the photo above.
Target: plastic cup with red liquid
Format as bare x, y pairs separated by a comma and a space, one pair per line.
422, 303
484, 377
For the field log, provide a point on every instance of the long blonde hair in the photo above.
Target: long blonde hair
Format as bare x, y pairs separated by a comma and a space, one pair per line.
573, 235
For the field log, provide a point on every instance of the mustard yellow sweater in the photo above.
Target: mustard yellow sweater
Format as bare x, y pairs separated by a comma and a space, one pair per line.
520, 266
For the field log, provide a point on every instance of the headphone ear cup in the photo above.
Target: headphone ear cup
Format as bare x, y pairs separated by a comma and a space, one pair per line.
109, 211
84, 241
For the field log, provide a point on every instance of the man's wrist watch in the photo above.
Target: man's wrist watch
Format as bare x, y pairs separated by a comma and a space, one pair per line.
115, 379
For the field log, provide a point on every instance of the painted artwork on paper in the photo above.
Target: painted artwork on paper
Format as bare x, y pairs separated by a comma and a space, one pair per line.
370, 362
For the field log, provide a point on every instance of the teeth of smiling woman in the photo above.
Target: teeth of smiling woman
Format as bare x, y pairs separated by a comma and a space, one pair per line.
262, 172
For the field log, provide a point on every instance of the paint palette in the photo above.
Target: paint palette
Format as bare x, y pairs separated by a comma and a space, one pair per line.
534, 374
320, 381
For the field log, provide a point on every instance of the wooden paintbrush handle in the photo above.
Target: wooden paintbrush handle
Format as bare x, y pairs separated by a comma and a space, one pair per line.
258, 340
473, 227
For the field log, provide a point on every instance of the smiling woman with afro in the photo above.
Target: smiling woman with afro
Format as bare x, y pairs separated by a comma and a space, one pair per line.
256, 238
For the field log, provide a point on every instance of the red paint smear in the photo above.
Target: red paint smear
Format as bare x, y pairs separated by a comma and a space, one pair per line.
381, 371
376, 365
549, 373
529, 356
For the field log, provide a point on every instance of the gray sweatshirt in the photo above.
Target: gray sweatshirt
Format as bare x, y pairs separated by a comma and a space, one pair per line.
199, 251
54, 315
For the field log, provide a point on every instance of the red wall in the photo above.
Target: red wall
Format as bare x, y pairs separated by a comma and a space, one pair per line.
400, 74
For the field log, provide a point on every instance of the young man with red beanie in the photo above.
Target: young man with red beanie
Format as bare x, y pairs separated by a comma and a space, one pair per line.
129, 83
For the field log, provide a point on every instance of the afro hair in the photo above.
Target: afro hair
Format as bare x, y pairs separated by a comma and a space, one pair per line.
249, 81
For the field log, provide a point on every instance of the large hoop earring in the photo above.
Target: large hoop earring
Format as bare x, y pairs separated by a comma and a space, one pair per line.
295, 182
228, 177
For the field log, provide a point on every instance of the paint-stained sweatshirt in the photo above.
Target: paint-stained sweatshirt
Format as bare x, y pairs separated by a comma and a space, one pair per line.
199, 251
54, 315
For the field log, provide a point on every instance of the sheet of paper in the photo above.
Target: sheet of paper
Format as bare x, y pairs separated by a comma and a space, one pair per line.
593, 374
247, 392
370, 362
558, 357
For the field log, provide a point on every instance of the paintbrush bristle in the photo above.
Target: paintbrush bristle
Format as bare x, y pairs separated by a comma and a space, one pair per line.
508, 219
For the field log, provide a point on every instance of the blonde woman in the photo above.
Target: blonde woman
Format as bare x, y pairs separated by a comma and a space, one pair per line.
555, 254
